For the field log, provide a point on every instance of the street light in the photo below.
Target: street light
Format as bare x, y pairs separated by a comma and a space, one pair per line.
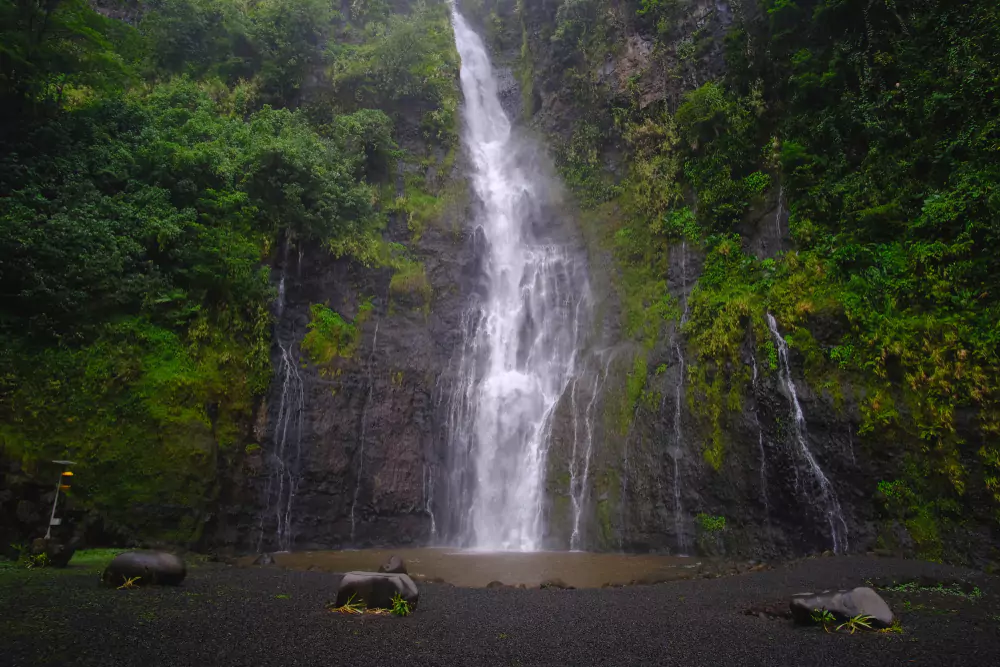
62, 484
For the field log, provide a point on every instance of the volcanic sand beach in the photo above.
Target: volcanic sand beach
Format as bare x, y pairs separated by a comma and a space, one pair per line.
226, 615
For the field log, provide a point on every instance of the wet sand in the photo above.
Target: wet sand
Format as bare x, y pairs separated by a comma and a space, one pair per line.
476, 569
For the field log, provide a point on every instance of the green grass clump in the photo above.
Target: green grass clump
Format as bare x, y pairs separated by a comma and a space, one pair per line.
711, 524
400, 607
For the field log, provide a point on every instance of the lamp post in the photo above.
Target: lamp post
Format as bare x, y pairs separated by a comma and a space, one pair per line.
61, 484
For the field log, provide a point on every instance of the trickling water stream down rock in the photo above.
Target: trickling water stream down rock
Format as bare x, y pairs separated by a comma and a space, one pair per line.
817, 488
285, 458
522, 332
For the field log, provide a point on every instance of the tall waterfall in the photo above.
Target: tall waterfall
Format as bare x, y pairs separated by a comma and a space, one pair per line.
521, 335
818, 490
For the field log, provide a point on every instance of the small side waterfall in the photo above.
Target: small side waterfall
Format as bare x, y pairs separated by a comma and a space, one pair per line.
677, 448
521, 344
579, 483
364, 427
760, 440
284, 457
821, 493
781, 211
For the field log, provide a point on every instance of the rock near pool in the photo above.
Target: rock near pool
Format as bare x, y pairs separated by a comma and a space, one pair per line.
146, 567
376, 589
394, 565
843, 605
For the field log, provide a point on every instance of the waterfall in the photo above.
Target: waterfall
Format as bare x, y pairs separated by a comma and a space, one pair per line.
521, 336
286, 440
364, 425
822, 495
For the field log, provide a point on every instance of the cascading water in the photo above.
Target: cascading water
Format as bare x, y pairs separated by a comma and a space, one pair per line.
578, 483
286, 441
760, 441
521, 337
677, 449
781, 211
821, 493
364, 427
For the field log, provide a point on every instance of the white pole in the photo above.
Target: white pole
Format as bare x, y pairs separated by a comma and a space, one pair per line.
52, 517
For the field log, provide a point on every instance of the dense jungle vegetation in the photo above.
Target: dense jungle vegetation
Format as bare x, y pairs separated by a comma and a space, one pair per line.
878, 122
154, 157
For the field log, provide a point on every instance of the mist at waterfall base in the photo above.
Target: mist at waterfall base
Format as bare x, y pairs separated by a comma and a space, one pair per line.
523, 331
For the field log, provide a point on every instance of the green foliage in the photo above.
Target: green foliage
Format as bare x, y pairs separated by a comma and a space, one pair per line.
140, 217
27, 560
954, 589
409, 284
710, 524
635, 389
823, 617
330, 336
407, 63
52, 53
400, 607
855, 623
353, 606
95, 559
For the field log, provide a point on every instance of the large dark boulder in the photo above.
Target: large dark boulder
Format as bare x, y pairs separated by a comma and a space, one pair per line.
146, 567
57, 553
395, 565
843, 605
376, 589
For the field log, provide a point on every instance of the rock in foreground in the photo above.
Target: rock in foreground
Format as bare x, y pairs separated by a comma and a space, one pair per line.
57, 553
843, 605
146, 568
376, 589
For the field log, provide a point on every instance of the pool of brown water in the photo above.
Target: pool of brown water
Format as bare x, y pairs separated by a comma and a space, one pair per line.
474, 569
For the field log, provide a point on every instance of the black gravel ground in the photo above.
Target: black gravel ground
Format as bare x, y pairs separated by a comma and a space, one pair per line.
260, 616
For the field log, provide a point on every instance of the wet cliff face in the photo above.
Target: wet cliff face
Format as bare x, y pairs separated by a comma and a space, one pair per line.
346, 452
640, 458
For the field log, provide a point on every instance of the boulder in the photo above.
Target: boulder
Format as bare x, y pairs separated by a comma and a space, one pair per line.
843, 605
376, 589
146, 567
264, 559
394, 565
57, 554
497, 584
555, 583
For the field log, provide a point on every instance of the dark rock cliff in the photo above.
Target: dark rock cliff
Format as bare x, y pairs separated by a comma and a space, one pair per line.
628, 440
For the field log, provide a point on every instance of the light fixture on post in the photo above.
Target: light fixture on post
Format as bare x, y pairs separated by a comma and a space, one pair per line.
63, 484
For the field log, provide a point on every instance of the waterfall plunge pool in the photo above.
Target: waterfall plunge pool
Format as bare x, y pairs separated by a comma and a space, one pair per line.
475, 569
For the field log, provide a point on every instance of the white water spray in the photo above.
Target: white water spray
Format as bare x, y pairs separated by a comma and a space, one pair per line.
521, 338
822, 493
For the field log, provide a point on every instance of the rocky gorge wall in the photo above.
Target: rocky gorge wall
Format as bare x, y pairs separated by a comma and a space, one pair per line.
672, 467
651, 450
